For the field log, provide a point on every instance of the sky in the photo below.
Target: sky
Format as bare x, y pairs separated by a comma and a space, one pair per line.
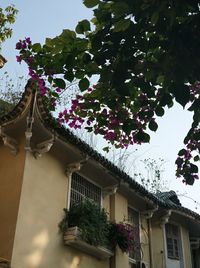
41, 19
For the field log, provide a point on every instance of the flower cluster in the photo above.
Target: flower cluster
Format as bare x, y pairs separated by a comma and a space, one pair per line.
184, 166
27, 55
122, 234
120, 126
121, 120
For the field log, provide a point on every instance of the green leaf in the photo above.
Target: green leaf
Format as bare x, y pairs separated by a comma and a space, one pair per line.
142, 137
121, 25
49, 42
83, 26
181, 93
69, 60
160, 79
189, 179
66, 36
153, 126
182, 152
79, 74
106, 149
155, 18
36, 47
55, 94
86, 58
69, 75
159, 111
166, 99
196, 158
194, 168
84, 84
90, 3
120, 8
60, 83
89, 129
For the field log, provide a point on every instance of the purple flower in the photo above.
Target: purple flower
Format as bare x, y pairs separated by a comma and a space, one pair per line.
24, 45
19, 58
58, 90
28, 40
19, 45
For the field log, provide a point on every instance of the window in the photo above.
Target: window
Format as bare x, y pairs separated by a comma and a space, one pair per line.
133, 218
82, 189
173, 240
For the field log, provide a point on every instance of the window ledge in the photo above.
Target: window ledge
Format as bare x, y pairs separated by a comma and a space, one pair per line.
71, 238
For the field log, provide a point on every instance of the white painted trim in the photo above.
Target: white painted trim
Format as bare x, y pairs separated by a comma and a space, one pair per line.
69, 190
131, 260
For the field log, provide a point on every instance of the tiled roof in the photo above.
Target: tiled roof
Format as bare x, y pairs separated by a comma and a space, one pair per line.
169, 198
165, 200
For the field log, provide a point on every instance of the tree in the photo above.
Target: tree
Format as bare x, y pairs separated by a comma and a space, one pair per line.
11, 96
7, 17
146, 55
153, 179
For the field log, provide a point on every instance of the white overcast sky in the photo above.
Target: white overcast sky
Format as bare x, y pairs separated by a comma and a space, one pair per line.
46, 18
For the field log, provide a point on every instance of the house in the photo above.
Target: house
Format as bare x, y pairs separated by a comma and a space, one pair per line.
45, 168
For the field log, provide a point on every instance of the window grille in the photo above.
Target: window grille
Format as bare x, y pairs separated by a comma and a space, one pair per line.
173, 240
133, 218
83, 189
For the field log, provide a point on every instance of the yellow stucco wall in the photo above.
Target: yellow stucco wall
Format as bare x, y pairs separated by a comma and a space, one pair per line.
11, 174
186, 247
37, 241
158, 245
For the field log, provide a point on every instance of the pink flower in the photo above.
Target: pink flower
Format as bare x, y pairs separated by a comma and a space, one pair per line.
19, 45
28, 40
18, 58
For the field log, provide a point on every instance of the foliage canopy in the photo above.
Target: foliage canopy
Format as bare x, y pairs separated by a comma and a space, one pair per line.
145, 55
7, 17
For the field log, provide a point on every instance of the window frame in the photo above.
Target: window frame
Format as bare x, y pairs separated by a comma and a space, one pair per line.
169, 234
134, 260
87, 179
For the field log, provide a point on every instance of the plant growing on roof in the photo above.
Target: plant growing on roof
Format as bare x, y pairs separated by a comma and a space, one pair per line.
91, 220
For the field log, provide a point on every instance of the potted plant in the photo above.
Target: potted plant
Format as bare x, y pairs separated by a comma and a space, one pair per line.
85, 226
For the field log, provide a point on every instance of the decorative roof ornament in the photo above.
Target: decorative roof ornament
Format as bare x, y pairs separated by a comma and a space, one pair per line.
9, 141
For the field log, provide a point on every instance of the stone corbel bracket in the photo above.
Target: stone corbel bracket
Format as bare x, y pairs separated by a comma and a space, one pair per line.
75, 166
110, 190
28, 133
43, 147
165, 219
148, 214
9, 142
72, 167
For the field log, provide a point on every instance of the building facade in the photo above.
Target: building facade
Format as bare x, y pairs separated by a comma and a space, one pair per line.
45, 168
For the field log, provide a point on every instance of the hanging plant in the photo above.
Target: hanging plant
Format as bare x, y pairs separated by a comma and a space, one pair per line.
122, 234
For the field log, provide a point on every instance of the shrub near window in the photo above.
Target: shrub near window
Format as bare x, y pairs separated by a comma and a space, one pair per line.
90, 219
94, 227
